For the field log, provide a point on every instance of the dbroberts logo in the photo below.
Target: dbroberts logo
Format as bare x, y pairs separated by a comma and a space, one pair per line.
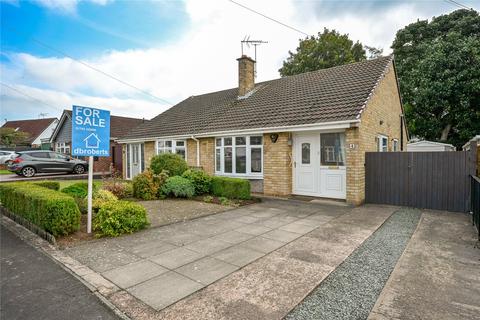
90, 152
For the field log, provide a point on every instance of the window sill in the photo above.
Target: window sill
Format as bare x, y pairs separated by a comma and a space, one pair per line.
242, 176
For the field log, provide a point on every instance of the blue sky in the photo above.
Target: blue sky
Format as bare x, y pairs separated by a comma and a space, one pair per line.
171, 49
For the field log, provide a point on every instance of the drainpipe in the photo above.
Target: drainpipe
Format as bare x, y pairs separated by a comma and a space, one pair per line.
198, 150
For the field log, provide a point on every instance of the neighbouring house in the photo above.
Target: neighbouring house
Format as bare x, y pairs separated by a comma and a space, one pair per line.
61, 140
37, 129
466, 147
425, 145
305, 134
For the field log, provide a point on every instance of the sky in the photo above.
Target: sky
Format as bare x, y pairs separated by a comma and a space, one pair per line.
138, 58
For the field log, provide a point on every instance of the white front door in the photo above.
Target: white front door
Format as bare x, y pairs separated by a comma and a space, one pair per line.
135, 160
319, 165
306, 163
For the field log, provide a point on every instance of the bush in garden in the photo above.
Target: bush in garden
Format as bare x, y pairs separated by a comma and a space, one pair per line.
82, 204
54, 185
179, 187
120, 189
147, 185
232, 188
117, 217
208, 199
174, 164
200, 180
79, 189
224, 201
100, 197
50, 210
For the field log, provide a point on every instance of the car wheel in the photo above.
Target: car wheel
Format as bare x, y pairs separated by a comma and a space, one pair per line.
28, 172
79, 169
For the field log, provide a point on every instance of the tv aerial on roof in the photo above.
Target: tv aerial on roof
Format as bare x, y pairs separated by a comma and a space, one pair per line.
255, 43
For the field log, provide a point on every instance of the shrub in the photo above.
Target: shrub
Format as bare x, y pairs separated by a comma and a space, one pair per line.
117, 217
208, 199
147, 185
82, 204
224, 201
170, 162
50, 210
100, 197
119, 188
54, 185
179, 187
232, 188
200, 180
79, 189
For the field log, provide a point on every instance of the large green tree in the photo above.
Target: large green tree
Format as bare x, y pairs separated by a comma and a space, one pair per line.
438, 65
328, 49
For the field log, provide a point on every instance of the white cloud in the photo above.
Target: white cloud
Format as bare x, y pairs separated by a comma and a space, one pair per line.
201, 60
67, 6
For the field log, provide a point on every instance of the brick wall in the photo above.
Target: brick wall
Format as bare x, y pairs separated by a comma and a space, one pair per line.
380, 116
277, 165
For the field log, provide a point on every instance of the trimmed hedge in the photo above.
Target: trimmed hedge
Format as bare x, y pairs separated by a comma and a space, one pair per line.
117, 217
54, 185
51, 210
232, 188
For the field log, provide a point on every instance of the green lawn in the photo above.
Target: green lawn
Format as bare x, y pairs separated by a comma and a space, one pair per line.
2, 171
66, 183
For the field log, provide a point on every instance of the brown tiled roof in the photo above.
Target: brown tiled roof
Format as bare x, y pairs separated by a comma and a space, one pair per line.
33, 127
119, 126
333, 94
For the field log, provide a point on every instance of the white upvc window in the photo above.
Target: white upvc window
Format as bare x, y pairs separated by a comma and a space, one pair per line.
62, 147
382, 145
239, 156
172, 146
395, 145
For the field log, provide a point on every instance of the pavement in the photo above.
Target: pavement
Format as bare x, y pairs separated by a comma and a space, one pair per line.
438, 275
256, 262
35, 287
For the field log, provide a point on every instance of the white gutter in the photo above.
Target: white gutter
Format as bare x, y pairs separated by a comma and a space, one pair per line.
304, 127
198, 150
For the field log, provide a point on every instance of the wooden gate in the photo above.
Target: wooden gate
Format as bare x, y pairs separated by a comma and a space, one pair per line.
432, 180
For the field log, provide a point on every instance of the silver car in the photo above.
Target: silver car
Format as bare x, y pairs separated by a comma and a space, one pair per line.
6, 156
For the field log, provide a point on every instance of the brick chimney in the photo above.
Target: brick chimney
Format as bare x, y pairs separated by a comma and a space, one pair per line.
246, 75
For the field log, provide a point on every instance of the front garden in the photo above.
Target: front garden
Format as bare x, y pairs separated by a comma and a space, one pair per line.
168, 192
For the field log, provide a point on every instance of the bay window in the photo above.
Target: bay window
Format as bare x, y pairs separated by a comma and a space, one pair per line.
240, 155
172, 146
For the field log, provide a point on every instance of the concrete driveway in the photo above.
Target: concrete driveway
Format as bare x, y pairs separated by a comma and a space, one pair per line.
162, 265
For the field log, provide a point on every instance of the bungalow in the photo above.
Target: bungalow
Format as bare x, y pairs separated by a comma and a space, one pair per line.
61, 140
37, 129
305, 134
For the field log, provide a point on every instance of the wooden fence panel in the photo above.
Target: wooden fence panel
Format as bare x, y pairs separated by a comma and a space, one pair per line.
433, 180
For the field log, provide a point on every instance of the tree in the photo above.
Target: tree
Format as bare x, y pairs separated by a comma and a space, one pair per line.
10, 137
329, 49
438, 65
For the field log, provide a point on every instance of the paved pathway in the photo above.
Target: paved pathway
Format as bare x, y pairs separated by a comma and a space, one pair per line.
438, 276
162, 265
34, 287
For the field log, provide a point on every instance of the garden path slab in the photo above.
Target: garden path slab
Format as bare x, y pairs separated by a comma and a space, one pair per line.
192, 254
271, 286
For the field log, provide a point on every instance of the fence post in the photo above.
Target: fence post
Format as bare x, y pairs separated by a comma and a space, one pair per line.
472, 169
